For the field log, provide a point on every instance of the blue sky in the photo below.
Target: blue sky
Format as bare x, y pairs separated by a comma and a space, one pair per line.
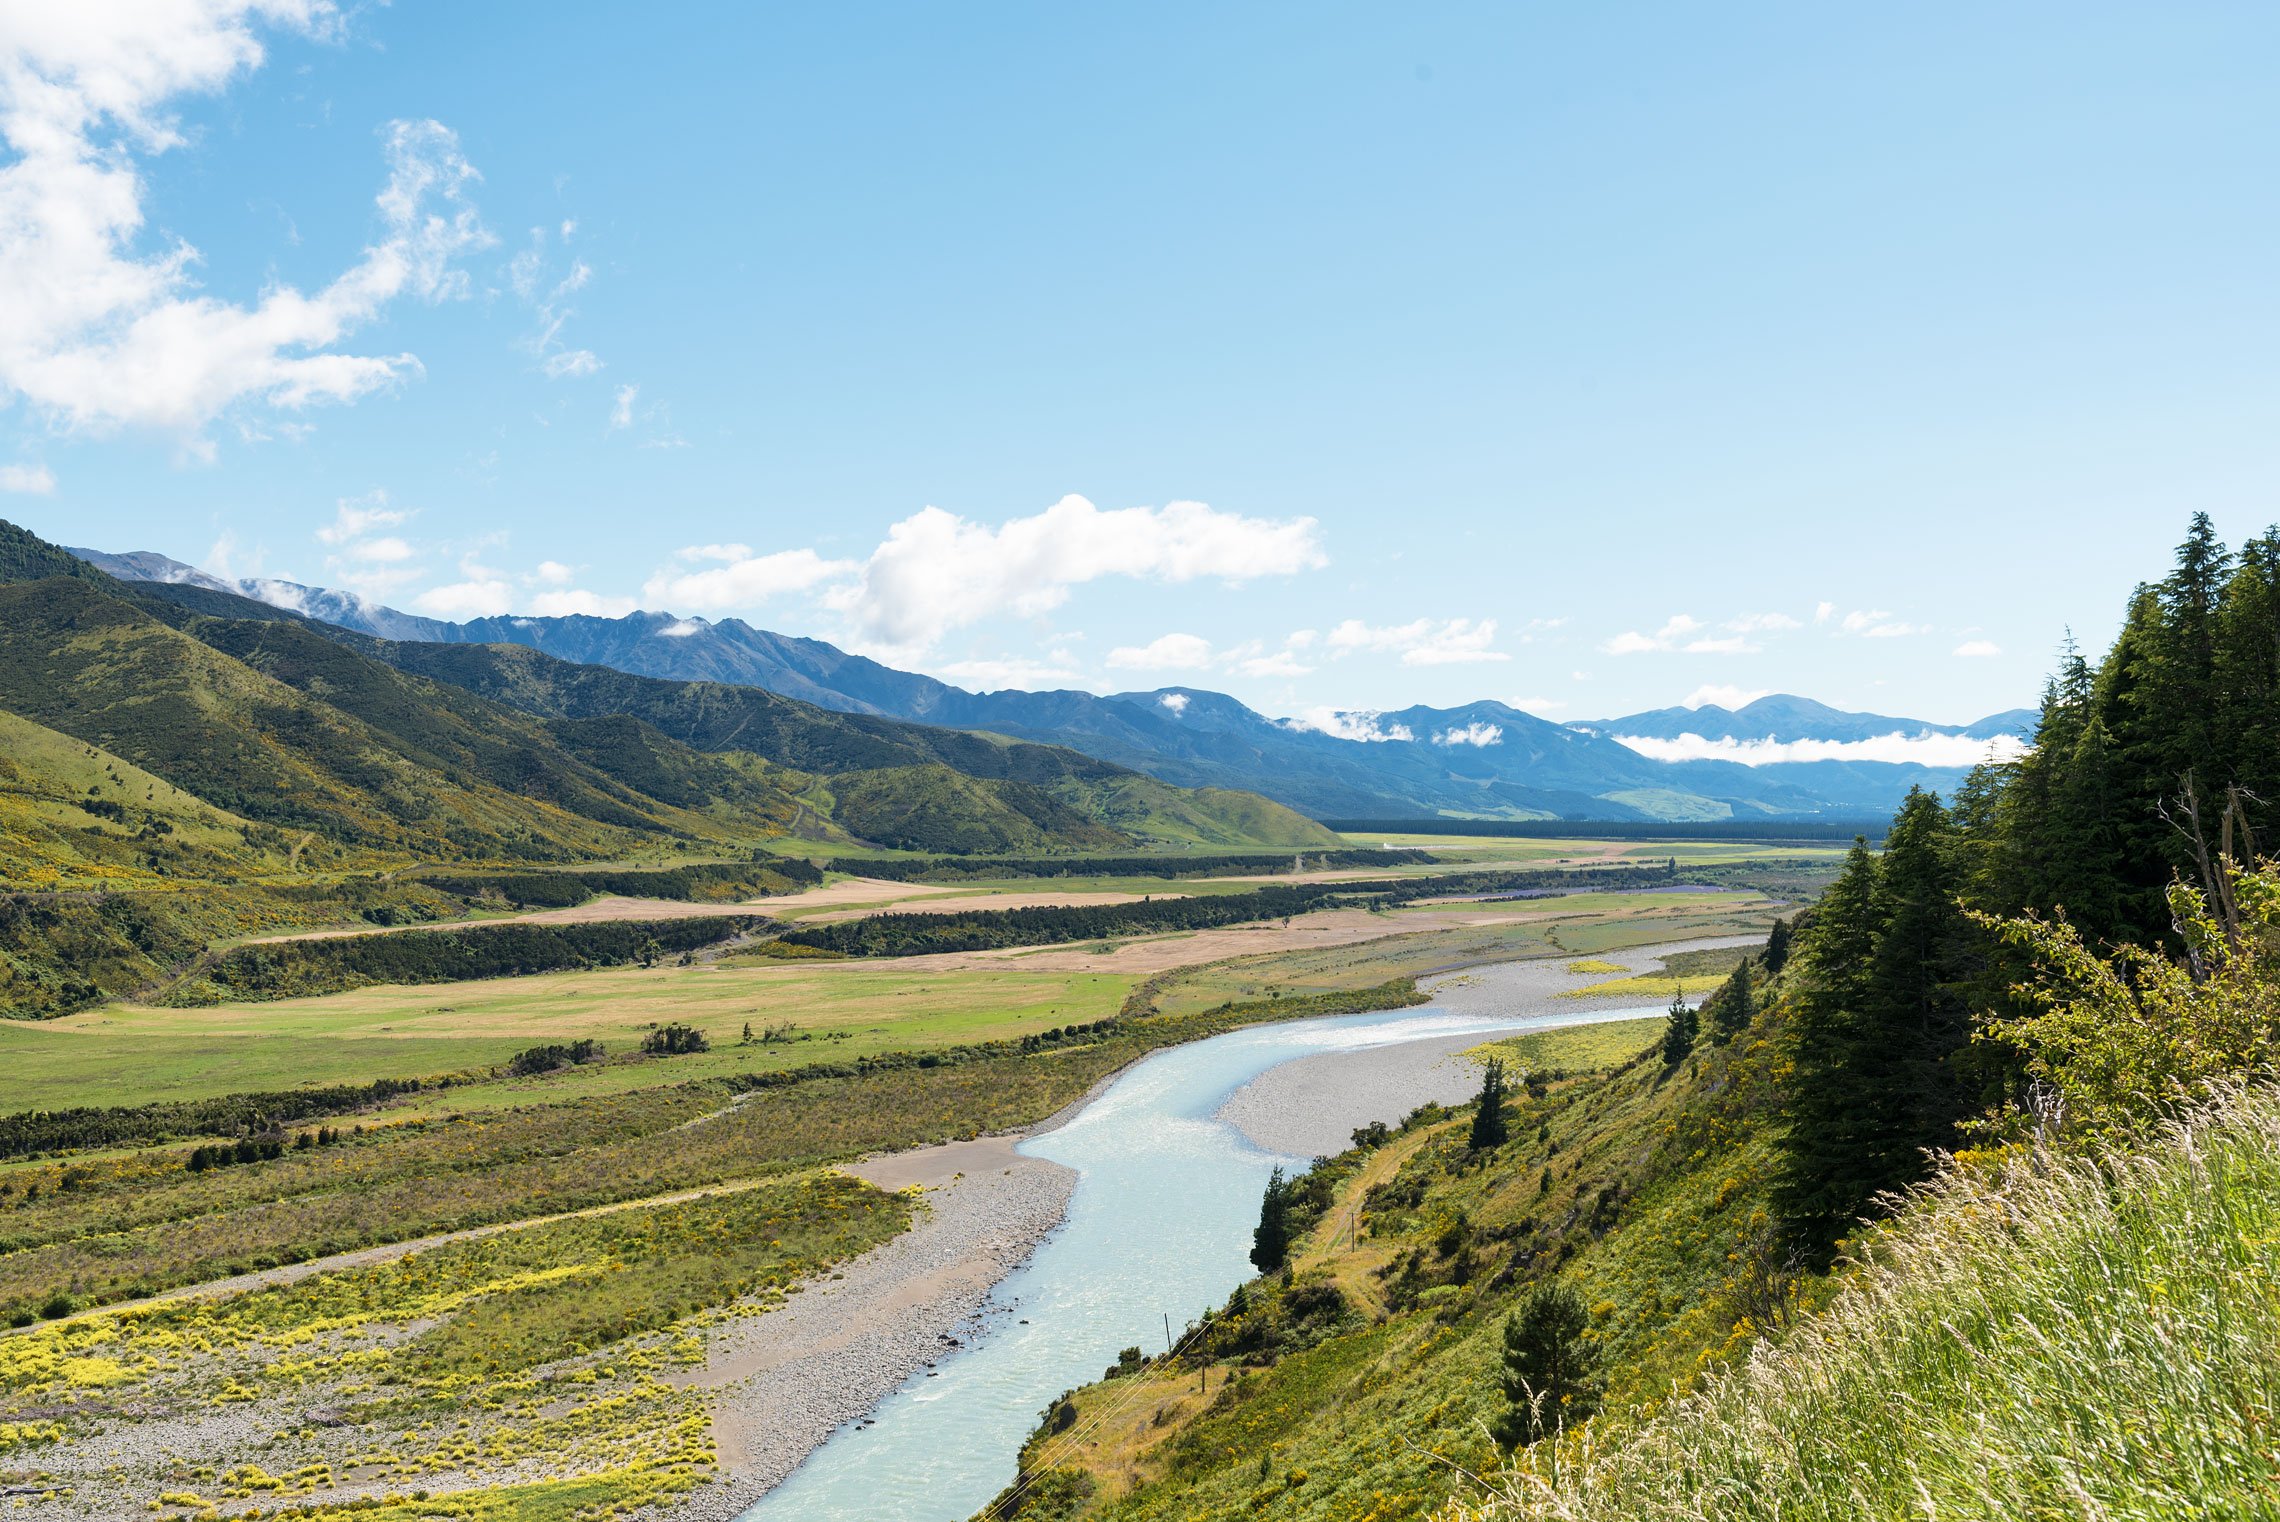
1587, 357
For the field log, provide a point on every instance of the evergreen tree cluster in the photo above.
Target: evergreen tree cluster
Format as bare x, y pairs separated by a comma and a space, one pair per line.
279, 969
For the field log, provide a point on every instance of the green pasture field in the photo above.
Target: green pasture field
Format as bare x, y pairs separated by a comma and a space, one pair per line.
125, 1054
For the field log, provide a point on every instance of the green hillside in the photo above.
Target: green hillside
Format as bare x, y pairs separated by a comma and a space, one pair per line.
932, 808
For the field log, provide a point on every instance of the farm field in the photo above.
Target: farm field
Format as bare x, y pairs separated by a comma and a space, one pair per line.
129, 1054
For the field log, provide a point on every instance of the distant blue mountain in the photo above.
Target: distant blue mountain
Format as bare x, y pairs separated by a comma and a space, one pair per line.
1782, 717
1483, 759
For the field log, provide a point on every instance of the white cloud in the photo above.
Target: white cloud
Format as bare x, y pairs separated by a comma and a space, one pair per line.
1979, 647
987, 675
1177, 702
385, 551
482, 595
1679, 632
1422, 643
95, 332
1349, 724
682, 628
716, 552
1878, 624
937, 572
1472, 734
1539, 705
621, 406
33, 480
1171, 652
527, 274
1272, 663
553, 573
572, 600
1632, 642
1924, 749
1724, 697
1822, 612
742, 583
354, 517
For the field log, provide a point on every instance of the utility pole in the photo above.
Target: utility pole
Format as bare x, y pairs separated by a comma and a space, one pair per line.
1167, 1334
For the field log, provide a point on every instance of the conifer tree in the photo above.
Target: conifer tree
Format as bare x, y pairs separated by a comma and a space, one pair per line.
1730, 1009
1777, 948
1488, 1125
1270, 1243
1548, 1374
1684, 1029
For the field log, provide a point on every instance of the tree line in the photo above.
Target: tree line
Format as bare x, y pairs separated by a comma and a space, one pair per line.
281, 969
694, 884
2157, 767
40, 1131
970, 869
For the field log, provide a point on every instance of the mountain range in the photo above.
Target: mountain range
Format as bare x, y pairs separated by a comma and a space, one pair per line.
1484, 759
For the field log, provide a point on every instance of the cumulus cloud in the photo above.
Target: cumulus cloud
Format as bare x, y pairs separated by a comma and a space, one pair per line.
33, 480
96, 332
1632, 642
1724, 697
1979, 648
743, 581
484, 594
1349, 724
1422, 643
553, 573
1539, 706
1171, 652
1924, 749
937, 572
1177, 702
1472, 734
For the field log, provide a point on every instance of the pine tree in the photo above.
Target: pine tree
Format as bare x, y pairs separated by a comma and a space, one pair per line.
1777, 948
1548, 1375
1682, 1031
1270, 1243
1488, 1127
1729, 1008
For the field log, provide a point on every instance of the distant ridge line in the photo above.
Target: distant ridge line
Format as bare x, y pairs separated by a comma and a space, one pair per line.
1620, 829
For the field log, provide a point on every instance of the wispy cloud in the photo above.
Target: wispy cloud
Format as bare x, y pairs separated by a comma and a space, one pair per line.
1724, 697
33, 480
1879, 625
1423, 642
1979, 648
1170, 652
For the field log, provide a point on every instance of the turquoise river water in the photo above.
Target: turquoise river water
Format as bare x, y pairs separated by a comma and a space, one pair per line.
1159, 1226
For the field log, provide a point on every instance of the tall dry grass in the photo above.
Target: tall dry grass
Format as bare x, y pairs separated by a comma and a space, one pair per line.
2055, 1336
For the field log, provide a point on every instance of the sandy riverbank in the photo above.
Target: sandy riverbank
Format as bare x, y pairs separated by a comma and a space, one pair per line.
790, 1379
1310, 1107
